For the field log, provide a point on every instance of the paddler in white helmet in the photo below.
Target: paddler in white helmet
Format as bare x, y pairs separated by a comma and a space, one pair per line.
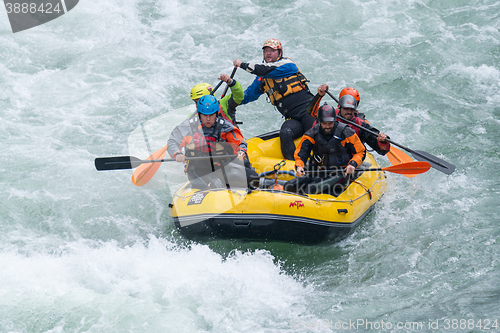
286, 87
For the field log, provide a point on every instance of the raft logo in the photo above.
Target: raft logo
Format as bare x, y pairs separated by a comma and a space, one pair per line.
26, 14
297, 203
197, 198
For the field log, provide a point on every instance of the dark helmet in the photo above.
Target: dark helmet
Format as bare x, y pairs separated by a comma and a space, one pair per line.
348, 102
326, 113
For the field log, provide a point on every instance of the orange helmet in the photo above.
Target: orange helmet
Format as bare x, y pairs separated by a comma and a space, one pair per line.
274, 44
350, 91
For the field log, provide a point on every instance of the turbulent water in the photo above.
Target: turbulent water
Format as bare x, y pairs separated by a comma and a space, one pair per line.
87, 251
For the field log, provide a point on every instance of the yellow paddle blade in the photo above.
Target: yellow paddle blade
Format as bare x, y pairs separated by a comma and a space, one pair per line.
145, 172
397, 156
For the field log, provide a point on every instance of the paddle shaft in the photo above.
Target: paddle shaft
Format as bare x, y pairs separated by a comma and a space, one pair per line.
425, 157
216, 87
130, 162
394, 143
189, 158
227, 87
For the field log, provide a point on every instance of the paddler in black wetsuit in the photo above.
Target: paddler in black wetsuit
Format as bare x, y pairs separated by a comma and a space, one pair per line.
334, 146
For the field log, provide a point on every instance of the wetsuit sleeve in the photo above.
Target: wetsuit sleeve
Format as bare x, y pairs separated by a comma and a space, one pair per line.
314, 106
229, 102
303, 151
272, 70
380, 147
354, 146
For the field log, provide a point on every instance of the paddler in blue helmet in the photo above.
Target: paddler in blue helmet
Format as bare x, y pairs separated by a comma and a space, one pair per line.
207, 133
204, 127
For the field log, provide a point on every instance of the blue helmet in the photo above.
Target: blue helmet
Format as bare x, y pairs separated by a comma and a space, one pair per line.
208, 104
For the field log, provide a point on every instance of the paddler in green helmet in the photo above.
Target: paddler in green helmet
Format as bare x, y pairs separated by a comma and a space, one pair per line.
228, 103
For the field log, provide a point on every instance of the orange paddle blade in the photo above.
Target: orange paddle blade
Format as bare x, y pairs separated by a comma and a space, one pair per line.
145, 172
397, 156
409, 168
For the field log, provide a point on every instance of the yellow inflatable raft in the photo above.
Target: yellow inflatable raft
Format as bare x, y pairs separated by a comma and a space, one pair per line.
267, 214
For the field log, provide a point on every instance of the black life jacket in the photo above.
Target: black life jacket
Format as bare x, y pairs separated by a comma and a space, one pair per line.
328, 152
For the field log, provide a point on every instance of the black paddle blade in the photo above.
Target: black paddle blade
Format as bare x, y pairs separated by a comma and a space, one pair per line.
28, 14
435, 162
117, 163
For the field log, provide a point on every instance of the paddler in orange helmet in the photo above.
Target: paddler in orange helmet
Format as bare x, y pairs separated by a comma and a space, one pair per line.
348, 109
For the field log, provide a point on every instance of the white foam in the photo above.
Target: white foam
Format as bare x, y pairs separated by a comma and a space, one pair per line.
186, 286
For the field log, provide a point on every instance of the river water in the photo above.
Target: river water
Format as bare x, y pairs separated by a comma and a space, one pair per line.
87, 251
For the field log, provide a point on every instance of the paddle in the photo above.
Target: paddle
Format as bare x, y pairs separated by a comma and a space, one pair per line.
146, 171
130, 162
216, 87
409, 168
420, 155
397, 156
221, 82
227, 87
